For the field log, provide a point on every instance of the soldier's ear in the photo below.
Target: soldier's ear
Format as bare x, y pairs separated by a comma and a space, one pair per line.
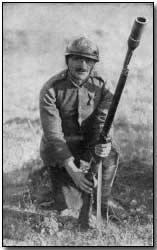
66, 59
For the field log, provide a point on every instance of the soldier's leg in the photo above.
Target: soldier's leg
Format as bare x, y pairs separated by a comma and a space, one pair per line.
65, 192
110, 165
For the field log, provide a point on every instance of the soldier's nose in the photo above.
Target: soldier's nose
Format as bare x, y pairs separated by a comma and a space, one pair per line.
83, 62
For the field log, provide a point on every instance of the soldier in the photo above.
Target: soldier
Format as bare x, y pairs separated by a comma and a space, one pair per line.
73, 108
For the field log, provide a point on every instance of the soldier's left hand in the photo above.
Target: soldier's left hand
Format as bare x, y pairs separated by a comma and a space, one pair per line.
103, 150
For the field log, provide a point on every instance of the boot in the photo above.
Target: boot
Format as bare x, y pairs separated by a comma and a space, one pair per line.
116, 211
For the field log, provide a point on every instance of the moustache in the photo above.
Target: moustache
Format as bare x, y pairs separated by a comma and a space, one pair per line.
81, 70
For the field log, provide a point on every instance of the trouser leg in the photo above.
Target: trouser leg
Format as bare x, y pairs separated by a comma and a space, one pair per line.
65, 192
56, 185
110, 165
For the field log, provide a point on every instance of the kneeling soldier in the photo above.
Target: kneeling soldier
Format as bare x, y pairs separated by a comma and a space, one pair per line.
73, 108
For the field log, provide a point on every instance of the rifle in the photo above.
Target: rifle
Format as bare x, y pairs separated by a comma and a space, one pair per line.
133, 43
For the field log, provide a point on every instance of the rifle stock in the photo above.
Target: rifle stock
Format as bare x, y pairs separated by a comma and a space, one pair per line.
133, 43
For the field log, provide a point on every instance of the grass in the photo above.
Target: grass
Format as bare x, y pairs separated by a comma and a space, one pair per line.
133, 188
33, 52
44, 234
65, 233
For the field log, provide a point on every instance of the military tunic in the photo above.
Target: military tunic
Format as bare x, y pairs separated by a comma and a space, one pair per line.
72, 116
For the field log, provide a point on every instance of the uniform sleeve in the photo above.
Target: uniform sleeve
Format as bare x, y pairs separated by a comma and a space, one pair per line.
51, 124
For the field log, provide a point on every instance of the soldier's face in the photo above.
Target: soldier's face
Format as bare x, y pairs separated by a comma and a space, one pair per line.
80, 67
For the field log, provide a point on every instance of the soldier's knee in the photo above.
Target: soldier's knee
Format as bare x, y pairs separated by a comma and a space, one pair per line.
111, 160
110, 165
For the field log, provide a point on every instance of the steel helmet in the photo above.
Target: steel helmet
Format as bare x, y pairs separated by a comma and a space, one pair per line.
83, 47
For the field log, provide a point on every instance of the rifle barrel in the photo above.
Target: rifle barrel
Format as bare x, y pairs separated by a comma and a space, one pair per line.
133, 42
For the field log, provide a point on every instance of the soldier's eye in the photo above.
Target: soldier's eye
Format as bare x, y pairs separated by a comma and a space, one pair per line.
76, 58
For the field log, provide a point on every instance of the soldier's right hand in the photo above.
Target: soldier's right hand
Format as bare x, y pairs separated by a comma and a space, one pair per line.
78, 176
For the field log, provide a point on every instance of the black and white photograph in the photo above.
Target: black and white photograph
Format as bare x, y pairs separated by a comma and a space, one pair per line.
78, 155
